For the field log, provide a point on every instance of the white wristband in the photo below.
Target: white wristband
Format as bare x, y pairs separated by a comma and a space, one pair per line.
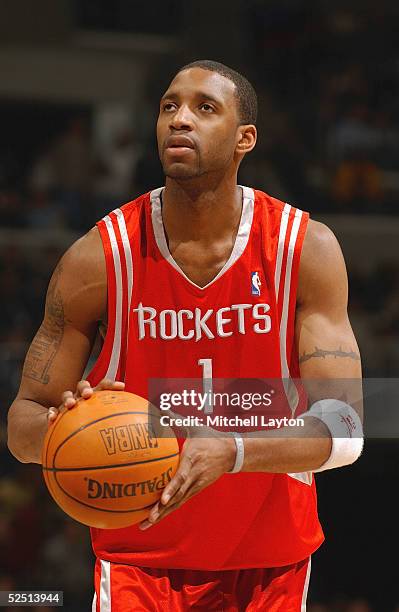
345, 428
239, 462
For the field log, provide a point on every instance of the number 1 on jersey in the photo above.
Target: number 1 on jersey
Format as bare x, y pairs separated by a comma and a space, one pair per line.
207, 387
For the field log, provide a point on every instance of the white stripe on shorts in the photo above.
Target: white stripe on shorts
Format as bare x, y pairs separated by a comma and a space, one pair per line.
306, 586
105, 587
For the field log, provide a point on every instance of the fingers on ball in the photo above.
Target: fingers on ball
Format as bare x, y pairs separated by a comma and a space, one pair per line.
84, 388
107, 383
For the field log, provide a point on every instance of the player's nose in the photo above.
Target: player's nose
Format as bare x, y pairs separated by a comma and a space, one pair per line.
182, 119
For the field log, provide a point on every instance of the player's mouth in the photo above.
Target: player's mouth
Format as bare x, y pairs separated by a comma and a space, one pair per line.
178, 145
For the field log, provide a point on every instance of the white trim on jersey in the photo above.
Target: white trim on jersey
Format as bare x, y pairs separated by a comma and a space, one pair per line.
241, 241
128, 255
105, 587
286, 299
116, 346
306, 586
280, 248
94, 603
289, 385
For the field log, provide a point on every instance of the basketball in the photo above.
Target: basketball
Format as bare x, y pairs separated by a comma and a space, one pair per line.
105, 462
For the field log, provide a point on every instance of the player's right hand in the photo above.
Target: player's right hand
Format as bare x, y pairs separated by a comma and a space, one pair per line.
84, 390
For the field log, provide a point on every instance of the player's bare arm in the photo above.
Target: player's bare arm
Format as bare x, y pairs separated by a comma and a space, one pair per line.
75, 304
329, 358
326, 344
328, 353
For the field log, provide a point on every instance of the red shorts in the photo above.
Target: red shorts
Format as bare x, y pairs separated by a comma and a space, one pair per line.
126, 588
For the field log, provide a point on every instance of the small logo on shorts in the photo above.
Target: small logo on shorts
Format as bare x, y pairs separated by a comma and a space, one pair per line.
255, 283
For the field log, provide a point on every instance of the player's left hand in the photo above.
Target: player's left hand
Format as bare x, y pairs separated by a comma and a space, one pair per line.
202, 462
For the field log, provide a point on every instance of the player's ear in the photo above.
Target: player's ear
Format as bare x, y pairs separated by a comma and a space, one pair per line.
247, 136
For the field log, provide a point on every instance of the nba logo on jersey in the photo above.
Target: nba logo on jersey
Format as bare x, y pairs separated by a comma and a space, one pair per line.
255, 283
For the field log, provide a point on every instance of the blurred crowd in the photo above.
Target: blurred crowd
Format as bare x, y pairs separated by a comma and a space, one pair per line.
328, 79
41, 548
329, 142
328, 83
69, 183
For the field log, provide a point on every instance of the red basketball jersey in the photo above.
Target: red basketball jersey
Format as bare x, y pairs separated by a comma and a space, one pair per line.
240, 325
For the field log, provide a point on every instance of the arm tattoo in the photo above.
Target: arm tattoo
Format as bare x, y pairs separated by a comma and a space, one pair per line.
47, 341
318, 352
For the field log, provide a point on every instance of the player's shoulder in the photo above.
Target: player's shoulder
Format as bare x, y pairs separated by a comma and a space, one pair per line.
78, 285
322, 264
320, 241
86, 250
84, 262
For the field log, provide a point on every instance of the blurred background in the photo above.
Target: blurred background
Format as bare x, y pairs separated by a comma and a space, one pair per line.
79, 90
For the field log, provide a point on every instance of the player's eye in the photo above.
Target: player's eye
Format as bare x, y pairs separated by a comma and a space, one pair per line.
168, 106
207, 107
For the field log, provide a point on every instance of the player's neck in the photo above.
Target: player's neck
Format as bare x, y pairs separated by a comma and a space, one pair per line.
201, 214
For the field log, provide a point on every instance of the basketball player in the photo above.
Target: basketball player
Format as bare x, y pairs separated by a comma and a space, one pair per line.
205, 278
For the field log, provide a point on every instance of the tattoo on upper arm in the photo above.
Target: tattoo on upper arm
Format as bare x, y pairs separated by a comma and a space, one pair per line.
48, 339
318, 352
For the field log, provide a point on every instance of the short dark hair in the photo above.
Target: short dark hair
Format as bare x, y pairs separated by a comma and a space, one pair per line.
245, 93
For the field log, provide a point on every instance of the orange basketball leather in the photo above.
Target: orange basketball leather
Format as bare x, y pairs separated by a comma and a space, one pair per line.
107, 460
